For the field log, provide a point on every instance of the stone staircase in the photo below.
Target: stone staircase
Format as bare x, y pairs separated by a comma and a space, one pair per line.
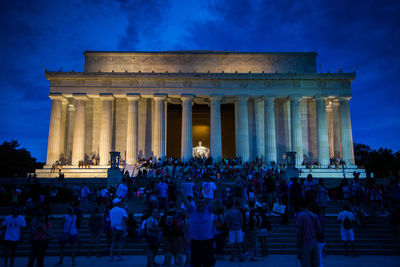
374, 239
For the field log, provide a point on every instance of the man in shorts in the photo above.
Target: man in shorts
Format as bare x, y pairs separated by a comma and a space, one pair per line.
234, 220
346, 219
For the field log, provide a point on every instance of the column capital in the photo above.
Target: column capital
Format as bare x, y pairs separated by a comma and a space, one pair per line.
215, 97
295, 97
159, 97
242, 98
344, 98
187, 97
320, 97
56, 96
106, 96
133, 97
80, 96
268, 98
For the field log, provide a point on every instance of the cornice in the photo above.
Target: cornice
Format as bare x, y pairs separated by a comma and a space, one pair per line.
53, 75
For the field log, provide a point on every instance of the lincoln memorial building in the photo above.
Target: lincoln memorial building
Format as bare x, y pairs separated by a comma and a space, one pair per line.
158, 104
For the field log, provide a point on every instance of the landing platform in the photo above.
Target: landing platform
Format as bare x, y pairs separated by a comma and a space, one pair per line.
74, 172
332, 173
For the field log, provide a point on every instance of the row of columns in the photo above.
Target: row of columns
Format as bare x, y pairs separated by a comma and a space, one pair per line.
242, 137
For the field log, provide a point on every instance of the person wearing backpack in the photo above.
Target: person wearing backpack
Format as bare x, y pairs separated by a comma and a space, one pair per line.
253, 221
346, 219
265, 226
219, 232
173, 226
40, 238
69, 235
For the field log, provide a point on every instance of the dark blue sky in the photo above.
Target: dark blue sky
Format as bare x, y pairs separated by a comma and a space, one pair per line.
352, 35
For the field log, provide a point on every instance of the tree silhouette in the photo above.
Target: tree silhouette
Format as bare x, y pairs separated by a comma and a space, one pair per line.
15, 161
382, 162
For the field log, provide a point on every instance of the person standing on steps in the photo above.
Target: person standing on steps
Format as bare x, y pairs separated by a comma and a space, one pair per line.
346, 220
118, 217
201, 232
308, 232
12, 225
69, 235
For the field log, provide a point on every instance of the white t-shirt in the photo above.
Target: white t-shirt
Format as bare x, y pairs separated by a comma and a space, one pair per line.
122, 191
187, 189
208, 189
345, 214
70, 224
13, 230
116, 216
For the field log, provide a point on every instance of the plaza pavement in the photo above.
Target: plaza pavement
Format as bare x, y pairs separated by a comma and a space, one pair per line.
270, 261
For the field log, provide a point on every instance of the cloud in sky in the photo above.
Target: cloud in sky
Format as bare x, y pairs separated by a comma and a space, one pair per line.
357, 34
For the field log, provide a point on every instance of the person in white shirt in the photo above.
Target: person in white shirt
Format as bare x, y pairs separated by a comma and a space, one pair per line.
346, 220
85, 192
12, 225
117, 220
70, 235
209, 189
122, 191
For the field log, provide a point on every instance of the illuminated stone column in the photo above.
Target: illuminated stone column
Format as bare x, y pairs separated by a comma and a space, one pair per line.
215, 127
132, 129
336, 129
346, 132
53, 146
242, 139
105, 129
296, 136
78, 146
186, 135
322, 132
260, 129
159, 126
270, 135
63, 138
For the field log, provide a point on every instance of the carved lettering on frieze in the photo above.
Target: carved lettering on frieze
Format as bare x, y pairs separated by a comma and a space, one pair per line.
267, 84
55, 83
308, 84
283, 84
322, 84
80, 82
216, 84
243, 84
133, 83
107, 83
187, 84
344, 84
160, 83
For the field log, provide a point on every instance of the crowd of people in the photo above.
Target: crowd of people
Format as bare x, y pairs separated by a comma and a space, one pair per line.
196, 208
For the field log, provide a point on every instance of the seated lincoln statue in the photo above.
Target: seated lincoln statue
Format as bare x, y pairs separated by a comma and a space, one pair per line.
201, 151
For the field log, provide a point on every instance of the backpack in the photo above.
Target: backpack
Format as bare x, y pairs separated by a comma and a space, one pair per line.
253, 221
219, 225
347, 223
174, 224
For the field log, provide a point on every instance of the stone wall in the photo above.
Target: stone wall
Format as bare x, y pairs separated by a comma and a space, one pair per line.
200, 62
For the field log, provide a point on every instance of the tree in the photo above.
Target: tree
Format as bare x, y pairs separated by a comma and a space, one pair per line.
382, 162
15, 161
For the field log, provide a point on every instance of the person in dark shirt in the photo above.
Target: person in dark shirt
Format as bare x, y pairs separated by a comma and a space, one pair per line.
172, 224
307, 234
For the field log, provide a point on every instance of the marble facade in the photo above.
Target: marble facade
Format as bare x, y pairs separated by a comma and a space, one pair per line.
119, 103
